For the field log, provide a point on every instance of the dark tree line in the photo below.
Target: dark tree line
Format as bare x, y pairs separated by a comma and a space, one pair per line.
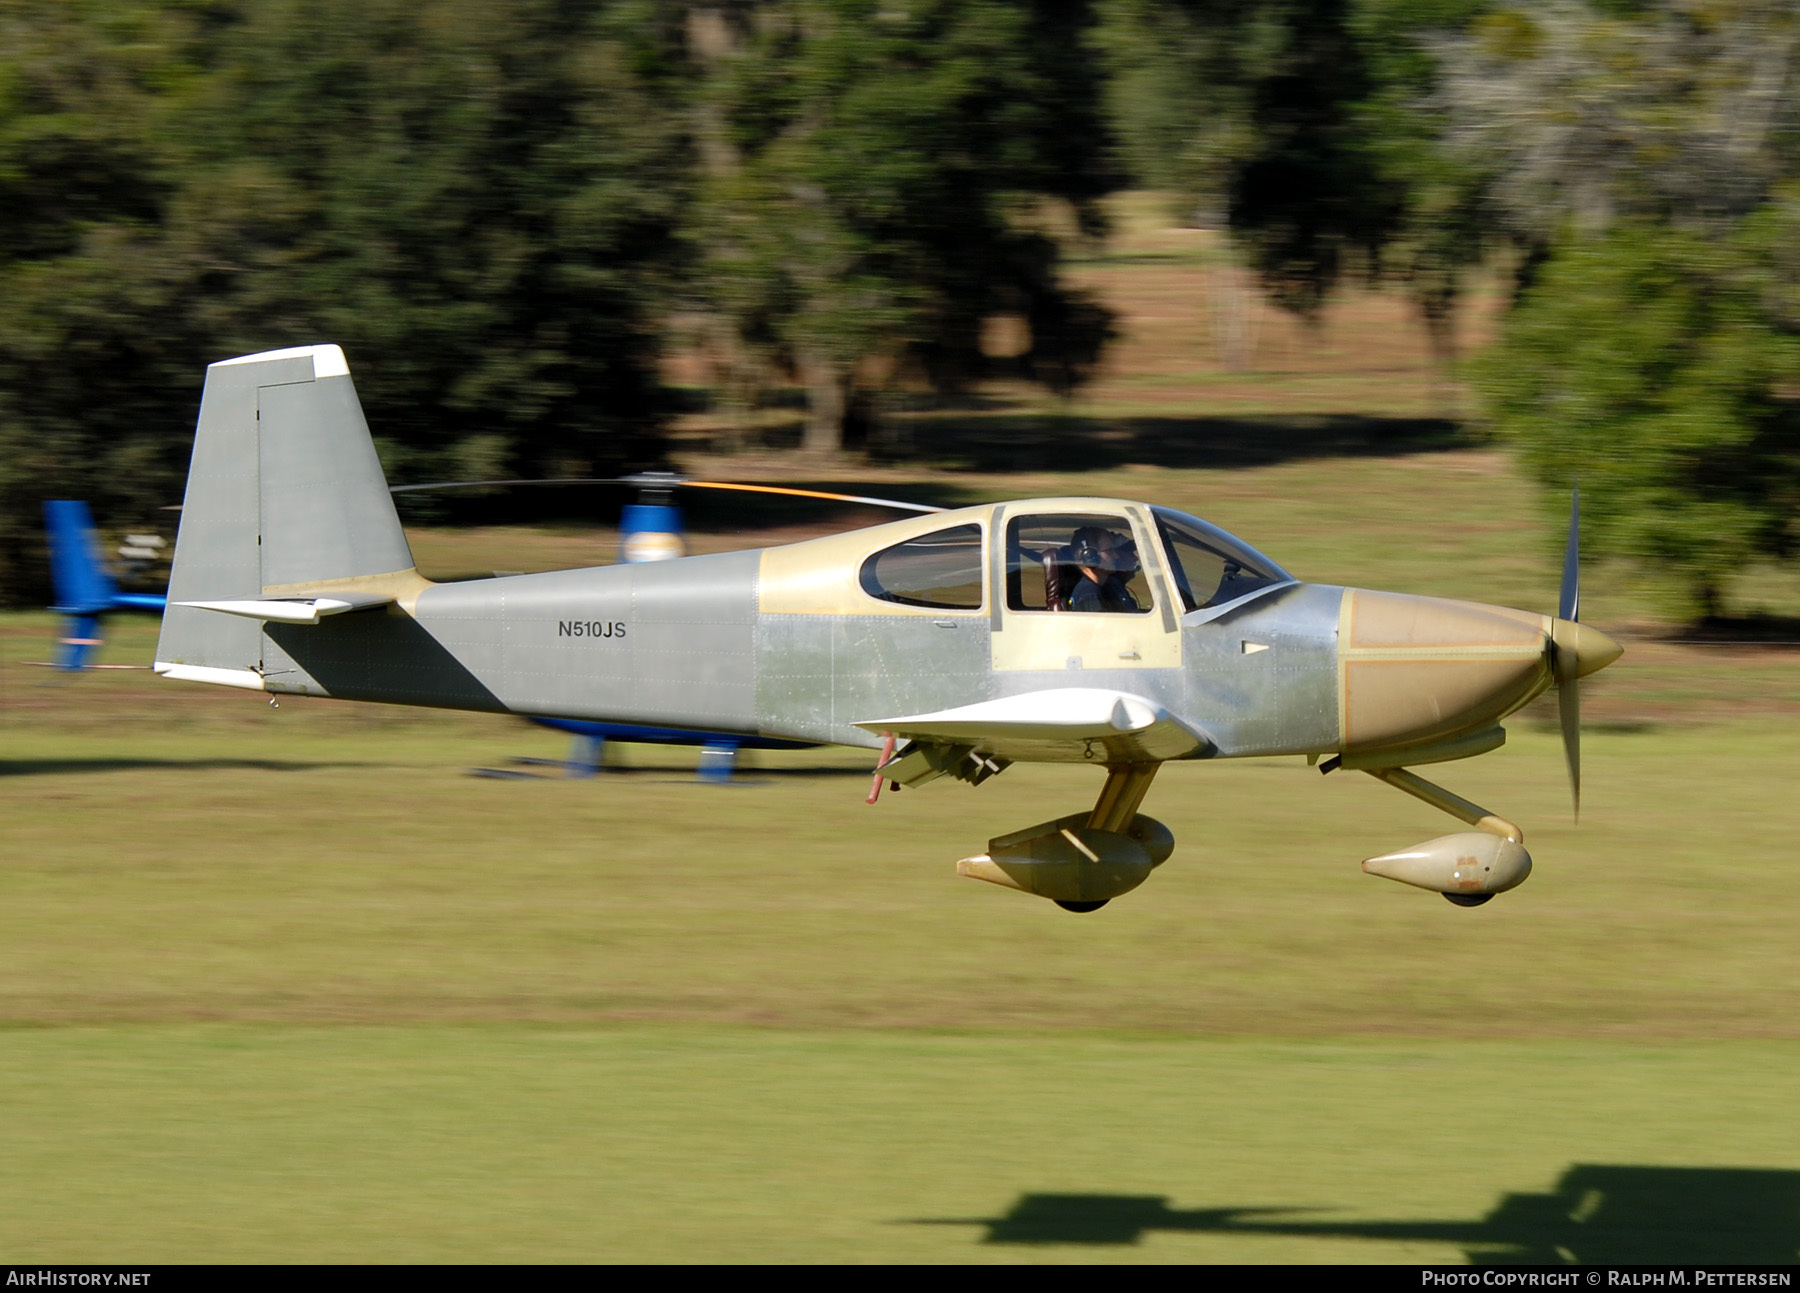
497, 207
500, 208
479, 202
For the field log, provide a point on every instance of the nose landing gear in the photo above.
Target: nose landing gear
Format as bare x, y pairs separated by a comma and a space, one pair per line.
1468, 869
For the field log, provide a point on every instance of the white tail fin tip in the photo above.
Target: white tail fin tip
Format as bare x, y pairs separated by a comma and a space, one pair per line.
328, 361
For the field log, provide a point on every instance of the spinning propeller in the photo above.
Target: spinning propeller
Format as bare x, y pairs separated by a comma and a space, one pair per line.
1574, 652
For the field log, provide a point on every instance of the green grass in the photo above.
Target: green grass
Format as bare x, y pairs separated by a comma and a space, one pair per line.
683, 1143
321, 864
289, 985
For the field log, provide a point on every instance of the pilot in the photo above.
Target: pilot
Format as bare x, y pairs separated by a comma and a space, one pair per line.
1106, 560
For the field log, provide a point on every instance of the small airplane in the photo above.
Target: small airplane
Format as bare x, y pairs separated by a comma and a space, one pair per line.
954, 643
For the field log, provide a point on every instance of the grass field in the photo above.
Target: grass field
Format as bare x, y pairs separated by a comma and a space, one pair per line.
288, 984
686, 1142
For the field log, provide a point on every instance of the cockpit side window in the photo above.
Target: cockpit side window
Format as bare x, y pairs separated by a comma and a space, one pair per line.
940, 570
1211, 568
1074, 562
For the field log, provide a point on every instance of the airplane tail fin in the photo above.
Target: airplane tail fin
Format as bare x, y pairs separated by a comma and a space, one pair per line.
285, 500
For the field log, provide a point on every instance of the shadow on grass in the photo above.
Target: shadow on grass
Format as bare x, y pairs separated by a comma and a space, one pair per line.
1022, 442
1537, 722
1602, 1215
555, 770
1780, 631
48, 767
752, 775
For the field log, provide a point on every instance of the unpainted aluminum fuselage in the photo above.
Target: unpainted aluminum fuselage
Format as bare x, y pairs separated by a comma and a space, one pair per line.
784, 642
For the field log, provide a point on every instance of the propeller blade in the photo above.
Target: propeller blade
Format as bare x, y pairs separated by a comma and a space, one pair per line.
1568, 707
1566, 656
1568, 606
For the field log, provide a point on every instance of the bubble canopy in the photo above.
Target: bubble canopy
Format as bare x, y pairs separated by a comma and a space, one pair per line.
1209, 566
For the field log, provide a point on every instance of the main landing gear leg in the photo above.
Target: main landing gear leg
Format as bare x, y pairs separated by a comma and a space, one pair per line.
1083, 861
1125, 788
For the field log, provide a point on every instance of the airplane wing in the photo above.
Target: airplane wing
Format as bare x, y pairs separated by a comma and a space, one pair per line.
1063, 725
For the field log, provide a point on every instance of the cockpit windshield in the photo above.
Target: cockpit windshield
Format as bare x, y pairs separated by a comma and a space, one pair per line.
1210, 567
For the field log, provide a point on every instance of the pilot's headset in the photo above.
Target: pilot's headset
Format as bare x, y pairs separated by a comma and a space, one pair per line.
1088, 549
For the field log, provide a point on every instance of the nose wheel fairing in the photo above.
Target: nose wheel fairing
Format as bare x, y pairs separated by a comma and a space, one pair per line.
1468, 868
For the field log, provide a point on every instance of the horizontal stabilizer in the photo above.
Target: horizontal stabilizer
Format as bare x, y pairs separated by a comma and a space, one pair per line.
248, 679
295, 610
1080, 724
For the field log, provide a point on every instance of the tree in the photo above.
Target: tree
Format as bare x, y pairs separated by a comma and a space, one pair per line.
1666, 111
1310, 127
1644, 156
873, 184
97, 355
479, 202
1438, 220
1306, 200
1661, 370
1180, 90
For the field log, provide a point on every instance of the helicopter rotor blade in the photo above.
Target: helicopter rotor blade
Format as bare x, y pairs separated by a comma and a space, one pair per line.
659, 480
434, 486
812, 493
